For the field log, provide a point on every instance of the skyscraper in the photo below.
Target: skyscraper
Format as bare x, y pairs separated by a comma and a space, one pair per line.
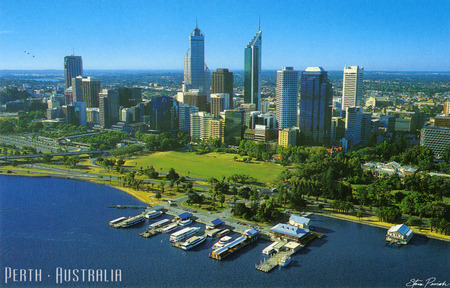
109, 107
315, 106
196, 73
252, 71
73, 67
76, 89
219, 103
287, 97
90, 88
222, 82
352, 86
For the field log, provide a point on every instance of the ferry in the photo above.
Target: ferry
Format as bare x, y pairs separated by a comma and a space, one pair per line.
224, 240
116, 221
223, 233
193, 241
183, 234
169, 228
152, 214
185, 222
159, 223
283, 262
269, 249
133, 220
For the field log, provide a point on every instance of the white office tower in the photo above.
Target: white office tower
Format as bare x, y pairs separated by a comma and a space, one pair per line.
287, 97
352, 86
196, 73
200, 128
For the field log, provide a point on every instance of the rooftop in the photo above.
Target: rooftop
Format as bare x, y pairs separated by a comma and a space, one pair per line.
299, 219
290, 230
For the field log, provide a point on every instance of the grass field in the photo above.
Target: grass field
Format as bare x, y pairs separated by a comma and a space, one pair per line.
205, 166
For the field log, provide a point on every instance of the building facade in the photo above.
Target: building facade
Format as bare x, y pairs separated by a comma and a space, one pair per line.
129, 96
352, 86
315, 106
252, 70
219, 103
108, 108
287, 97
435, 138
287, 136
163, 114
222, 81
73, 67
90, 88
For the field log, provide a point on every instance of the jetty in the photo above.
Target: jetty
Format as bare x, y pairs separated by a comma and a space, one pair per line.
149, 233
128, 207
268, 264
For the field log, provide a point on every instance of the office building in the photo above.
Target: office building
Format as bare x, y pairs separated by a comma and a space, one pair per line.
184, 117
262, 133
353, 125
196, 73
287, 97
108, 108
435, 138
352, 86
200, 126
252, 70
93, 116
129, 96
163, 114
217, 129
222, 82
73, 67
337, 129
80, 110
77, 91
438, 121
315, 106
446, 110
234, 126
194, 97
287, 136
219, 103
90, 88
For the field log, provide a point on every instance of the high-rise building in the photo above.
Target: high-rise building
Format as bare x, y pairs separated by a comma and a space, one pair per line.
222, 82
353, 125
129, 96
108, 107
194, 97
73, 67
80, 111
352, 86
252, 71
337, 129
234, 126
435, 138
200, 125
76, 89
446, 107
196, 73
287, 136
90, 88
315, 106
184, 117
163, 114
219, 103
287, 97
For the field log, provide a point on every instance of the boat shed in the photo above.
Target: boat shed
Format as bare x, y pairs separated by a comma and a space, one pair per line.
289, 232
299, 221
183, 216
214, 223
399, 234
250, 233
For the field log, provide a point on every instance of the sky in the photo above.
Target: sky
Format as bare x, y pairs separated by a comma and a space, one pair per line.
400, 35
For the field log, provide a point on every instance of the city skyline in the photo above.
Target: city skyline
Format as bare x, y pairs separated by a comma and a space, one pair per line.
382, 35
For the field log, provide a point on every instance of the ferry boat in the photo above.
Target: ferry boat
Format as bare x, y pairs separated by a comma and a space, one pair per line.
193, 241
283, 262
117, 221
222, 233
152, 214
185, 222
183, 234
169, 228
224, 240
133, 220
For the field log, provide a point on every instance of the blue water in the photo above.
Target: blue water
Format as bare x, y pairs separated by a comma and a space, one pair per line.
47, 223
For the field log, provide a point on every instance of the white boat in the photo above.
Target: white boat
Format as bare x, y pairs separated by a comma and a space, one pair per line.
224, 240
152, 214
193, 241
283, 262
133, 220
117, 221
269, 249
223, 233
169, 228
183, 234
185, 222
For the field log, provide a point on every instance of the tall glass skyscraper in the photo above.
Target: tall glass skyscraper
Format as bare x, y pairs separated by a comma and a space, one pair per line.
73, 67
287, 97
315, 106
252, 71
196, 73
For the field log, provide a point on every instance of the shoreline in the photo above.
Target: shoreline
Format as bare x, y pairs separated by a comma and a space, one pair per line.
139, 195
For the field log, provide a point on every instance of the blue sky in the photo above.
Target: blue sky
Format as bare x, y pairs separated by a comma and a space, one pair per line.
401, 35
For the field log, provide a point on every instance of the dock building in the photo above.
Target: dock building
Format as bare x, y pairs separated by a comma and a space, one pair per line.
183, 216
247, 237
399, 234
289, 232
214, 223
299, 221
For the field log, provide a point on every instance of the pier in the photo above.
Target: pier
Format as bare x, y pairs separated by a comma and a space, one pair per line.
268, 264
149, 233
128, 207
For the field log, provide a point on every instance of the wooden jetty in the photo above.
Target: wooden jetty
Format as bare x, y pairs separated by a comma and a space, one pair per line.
149, 233
268, 264
128, 207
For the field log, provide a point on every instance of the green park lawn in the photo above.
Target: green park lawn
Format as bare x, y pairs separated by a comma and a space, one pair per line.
205, 166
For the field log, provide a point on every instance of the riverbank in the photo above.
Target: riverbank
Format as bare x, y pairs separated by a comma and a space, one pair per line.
147, 198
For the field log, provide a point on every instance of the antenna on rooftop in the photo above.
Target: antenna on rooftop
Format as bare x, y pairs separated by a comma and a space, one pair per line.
73, 51
259, 23
196, 23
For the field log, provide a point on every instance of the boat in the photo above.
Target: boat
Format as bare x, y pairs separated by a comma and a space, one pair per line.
116, 221
193, 241
169, 228
269, 249
222, 233
283, 262
185, 222
159, 223
183, 234
152, 214
224, 240
133, 220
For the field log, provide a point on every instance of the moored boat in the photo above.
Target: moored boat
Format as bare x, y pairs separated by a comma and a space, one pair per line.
183, 234
169, 228
185, 222
283, 262
222, 233
224, 240
152, 214
193, 241
133, 220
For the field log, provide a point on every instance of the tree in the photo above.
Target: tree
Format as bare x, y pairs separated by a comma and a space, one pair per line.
158, 195
221, 199
172, 175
